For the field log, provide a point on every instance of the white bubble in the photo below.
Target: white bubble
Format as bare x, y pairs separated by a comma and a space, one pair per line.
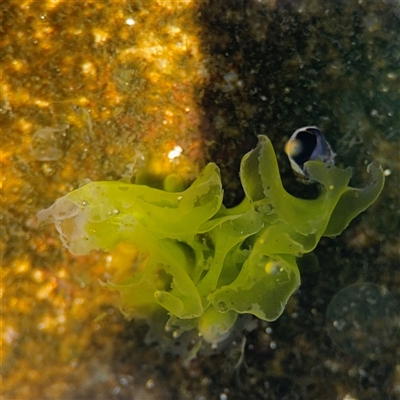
387, 172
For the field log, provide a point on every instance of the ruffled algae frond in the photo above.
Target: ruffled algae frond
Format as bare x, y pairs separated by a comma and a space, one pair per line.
204, 263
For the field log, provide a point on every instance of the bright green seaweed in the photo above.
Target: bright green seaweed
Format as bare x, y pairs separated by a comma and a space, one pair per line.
205, 264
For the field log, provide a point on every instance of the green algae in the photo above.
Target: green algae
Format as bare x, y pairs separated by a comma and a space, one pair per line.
204, 263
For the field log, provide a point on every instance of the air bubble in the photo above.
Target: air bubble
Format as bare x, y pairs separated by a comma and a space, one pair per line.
272, 268
387, 172
176, 334
361, 320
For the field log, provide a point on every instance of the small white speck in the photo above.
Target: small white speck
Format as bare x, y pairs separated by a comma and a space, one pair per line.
130, 21
176, 152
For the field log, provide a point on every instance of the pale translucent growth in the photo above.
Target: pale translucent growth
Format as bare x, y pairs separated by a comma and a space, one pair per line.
69, 220
45, 144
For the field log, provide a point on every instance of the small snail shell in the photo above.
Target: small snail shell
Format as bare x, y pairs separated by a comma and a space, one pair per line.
307, 144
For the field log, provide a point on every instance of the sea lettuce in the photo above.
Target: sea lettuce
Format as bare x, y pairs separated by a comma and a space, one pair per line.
203, 263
